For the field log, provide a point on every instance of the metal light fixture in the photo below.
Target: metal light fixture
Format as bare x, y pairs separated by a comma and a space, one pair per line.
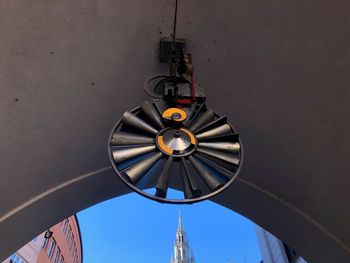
175, 141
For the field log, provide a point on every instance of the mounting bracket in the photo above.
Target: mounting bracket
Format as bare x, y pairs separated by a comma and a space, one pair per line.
165, 47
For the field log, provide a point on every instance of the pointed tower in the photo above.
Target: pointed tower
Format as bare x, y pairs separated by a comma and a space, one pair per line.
182, 253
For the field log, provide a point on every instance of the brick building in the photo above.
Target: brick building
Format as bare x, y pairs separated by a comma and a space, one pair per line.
64, 246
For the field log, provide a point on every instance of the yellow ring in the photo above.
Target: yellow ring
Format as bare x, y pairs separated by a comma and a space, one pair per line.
193, 139
168, 113
163, 146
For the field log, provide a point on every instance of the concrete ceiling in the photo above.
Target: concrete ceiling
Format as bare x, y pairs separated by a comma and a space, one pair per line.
278, 69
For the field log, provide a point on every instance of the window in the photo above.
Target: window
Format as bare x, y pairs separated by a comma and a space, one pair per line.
68, 233
65, 225
15, 258
45, 241
61, 259
291, 254
71, 242
57, 255
51, 248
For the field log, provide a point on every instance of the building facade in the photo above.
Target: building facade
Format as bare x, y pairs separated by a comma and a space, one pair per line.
182, 251
64, 246
274, 250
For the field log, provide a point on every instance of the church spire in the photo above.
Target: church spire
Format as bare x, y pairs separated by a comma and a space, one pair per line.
182, 252
179, 226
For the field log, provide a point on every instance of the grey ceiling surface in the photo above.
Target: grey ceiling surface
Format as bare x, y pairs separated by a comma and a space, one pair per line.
278, 69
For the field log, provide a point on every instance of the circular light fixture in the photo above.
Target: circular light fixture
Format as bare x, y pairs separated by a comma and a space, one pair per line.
176, 141
194, 150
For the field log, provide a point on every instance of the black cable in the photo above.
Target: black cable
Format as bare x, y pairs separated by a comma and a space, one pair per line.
172, 63
172, 58
175, 22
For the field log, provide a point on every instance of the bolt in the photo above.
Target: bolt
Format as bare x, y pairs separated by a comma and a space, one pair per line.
177, 134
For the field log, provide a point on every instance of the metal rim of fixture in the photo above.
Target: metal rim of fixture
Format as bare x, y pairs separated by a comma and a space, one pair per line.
200, 156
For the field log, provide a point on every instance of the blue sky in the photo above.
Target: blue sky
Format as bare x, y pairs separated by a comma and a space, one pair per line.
133, 229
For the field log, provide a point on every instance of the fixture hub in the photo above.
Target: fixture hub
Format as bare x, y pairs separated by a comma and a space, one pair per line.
176, 142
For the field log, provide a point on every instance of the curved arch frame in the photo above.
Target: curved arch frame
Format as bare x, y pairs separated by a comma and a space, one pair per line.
32, 217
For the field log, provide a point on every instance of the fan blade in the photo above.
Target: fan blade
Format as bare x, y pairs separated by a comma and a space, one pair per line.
163, 180
227, 173
151, 112
211, 125
121, 155
135, 172
213, 182
194, 185
132, 120
195, 112
222, 156
204, 119
232, 147
223, 129
186, 184
124, 138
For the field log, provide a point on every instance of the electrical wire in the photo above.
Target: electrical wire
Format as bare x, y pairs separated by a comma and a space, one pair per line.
173, 57
175, 22
172, 64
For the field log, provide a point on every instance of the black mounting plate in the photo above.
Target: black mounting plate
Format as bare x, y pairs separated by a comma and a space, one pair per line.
166, 45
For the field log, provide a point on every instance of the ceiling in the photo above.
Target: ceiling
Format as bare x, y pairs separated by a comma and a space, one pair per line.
278, 69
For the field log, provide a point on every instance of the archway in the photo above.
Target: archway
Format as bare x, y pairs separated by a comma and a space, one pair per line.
247, 199
278, 70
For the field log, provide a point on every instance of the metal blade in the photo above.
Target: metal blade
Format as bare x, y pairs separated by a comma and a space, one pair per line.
124, 138
209, 178
193, 183
223, 129
135, 172
215, 123
132, 120
196, 109
120, 155
202, 120
148, 108
227, 173
163, 180
231, 147
222, 156
187, 190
